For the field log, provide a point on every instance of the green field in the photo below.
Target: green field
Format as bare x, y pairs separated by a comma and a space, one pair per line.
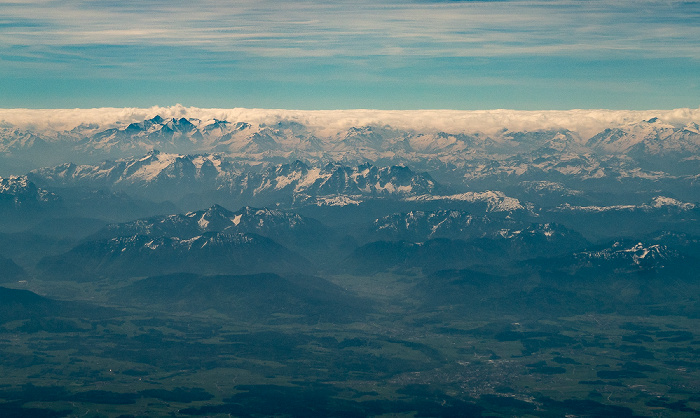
400, 359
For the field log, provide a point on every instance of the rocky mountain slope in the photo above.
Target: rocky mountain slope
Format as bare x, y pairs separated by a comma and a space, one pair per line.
174, 176
645, 142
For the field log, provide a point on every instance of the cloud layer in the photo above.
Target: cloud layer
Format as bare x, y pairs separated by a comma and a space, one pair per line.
315, 28
328, 122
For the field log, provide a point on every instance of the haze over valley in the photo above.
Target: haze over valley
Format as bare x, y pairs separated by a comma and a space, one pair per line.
209, 262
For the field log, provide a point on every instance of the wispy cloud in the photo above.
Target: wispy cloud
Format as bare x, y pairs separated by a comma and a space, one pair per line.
360, 28
320, 48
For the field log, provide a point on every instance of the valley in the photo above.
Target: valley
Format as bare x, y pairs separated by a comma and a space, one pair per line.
186, 267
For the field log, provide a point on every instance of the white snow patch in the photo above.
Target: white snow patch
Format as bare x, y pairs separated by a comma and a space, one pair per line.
568, 207
337, 201
496, 201
661, 201
151, 170
282, 181
309, 179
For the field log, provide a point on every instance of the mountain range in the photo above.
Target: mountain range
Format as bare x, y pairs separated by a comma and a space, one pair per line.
260, 297
169, 264
142, 255
639, 148
175, 176
373, 197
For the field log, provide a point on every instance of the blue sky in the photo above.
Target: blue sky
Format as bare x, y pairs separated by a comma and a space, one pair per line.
314, 54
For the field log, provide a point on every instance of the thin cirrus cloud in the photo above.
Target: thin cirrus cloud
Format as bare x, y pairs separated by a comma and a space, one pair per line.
311, 28
351, 41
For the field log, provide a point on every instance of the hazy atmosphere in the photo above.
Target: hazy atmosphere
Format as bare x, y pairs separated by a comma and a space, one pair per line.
350, 209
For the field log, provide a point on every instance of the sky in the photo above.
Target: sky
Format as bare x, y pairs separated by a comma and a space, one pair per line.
374, 54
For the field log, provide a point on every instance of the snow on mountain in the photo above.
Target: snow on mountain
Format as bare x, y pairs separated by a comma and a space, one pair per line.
13, 184
304, 182
14, 140
291, 139
558, 166
212, 152
443, 142
340, 200
496, 201
172, 134
649, 137
586, 122
454, 224
263, 221
638, 253
658, 202
186, 171
19, 192
688, 244
421, 225
479, 237
544, 186
539, 239
545, 230
142, 255
213, 240
514, 142
662, 201
181, 174
567, 207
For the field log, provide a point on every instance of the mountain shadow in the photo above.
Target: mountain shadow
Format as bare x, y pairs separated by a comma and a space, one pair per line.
247, 297
41, 313
402, 256
140, 255
10, 271
625, 277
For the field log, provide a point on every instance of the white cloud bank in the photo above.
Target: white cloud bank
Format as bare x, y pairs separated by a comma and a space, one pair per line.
328, 122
